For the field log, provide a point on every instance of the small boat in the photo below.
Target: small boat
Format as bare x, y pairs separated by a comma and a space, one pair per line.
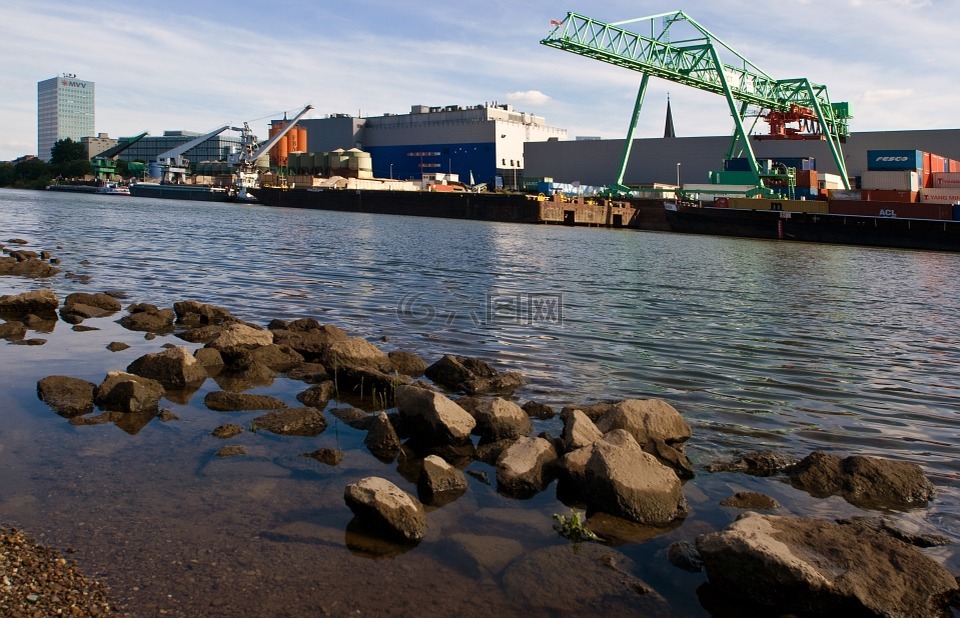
112, 189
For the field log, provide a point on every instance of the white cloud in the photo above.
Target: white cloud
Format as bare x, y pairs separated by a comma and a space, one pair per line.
886, 95
528, 97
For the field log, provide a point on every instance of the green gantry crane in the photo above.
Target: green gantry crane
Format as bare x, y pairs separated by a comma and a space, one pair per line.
105, 164
697, 62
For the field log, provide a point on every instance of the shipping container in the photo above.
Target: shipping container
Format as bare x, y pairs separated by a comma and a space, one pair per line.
843, 194
948, 195
946, 180
954, 166
732, 178
808, 179
956, 212
830, 181
895, 160
897, 180
888, 195
900, 210
936, 164
749, 203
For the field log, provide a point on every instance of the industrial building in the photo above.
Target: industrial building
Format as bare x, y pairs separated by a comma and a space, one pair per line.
98, 144
216, 148
691, 159
483, 141
65, 109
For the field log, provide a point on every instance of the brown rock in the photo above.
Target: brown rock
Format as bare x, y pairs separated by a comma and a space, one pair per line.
174, 368
227, 431
440, 483
126, 392
67, 396
407, 363
383, 506
750, 500
36, 301
292, 422
224, 401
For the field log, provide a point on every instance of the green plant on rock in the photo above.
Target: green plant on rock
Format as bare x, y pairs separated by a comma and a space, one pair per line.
573, 527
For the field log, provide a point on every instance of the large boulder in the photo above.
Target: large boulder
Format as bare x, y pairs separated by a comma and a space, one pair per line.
355, 352
307, 336
867, 482
36, 301
194, 313
149, 318
381, 505
578, 430
794, 565
431, 417
522, 469
407, 363
472, 376
174, 367
236, 337
440, 483
292, 422
67, 396
499, 419
98, 300
127, 392
382, 438
278, 357
645, 420
623, 480
370, 383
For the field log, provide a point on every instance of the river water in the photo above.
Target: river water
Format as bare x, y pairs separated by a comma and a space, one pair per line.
760, 344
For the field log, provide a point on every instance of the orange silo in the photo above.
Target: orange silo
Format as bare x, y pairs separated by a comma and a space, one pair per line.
293, 141
302, 138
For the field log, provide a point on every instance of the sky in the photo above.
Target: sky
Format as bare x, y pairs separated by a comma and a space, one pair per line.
197, 65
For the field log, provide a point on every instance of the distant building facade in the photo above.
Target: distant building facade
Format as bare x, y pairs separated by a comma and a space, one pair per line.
65, 109
652, 160
216, 148
482, 141
96, 145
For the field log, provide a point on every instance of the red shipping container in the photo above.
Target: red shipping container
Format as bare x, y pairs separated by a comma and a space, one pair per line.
936, 163
888, 195
926, 162
954, 166
808, 179
927, 180
899, 210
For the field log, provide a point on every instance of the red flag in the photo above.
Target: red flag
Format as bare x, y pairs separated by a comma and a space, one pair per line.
554, 22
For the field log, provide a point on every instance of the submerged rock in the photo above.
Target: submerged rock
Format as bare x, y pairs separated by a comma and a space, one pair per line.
225, 401
750, 500
67, 396
292, 422
867, 482
756, 463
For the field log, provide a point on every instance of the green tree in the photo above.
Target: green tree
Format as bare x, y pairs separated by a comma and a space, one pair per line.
7, 174
67, 150
32, 174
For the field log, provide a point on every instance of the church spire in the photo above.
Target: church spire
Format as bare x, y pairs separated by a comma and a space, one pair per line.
668, 130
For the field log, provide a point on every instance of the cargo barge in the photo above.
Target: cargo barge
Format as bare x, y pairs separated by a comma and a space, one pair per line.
820, 227
181, 192
483, 206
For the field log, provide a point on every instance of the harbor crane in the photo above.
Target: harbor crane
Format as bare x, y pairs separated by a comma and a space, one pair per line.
250, 150
171, 166
105, 164
697, 62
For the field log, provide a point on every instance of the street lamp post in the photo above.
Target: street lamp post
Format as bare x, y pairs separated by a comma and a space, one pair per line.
391, 171
678, 174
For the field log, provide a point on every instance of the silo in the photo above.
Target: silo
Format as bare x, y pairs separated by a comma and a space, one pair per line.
302, 138
283, 150
293, 141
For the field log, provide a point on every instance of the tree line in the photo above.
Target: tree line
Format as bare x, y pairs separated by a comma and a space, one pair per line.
68, 161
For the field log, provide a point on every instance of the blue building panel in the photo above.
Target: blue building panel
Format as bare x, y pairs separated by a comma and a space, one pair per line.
404, 162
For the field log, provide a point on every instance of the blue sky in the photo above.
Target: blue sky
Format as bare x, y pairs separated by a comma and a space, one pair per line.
198, 65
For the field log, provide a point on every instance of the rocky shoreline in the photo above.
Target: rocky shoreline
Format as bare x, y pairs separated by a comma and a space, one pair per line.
618, 461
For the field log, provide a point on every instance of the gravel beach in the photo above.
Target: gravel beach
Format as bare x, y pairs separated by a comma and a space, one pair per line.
36, 581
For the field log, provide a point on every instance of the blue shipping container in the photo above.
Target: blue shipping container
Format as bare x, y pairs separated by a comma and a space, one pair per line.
956, 212
879, 160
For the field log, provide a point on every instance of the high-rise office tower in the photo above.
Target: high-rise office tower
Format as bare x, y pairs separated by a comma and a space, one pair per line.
65, 108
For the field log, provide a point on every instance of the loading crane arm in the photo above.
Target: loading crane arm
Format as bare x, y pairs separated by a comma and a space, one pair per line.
251, 150
174, 156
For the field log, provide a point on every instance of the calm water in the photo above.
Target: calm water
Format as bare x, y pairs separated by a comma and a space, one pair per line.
793, 347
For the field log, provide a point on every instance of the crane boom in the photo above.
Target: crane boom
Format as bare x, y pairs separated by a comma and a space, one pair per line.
696, 62
174, 156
